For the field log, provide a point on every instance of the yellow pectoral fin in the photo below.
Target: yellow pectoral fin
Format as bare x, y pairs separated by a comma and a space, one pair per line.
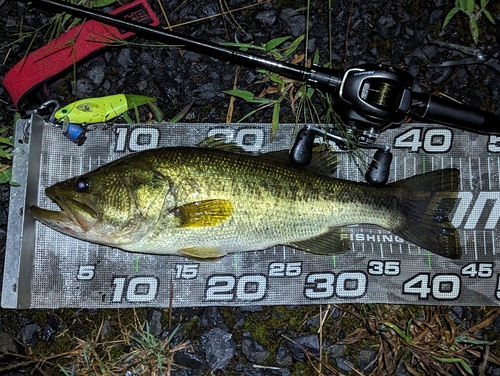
204, 213
202, 253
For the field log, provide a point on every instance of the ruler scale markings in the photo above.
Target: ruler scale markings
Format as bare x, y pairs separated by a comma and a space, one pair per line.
471, 187
363, 245
485, 244
475, 245
479, 166
461, 173
395, 163
498, 171
493, 246
489, 173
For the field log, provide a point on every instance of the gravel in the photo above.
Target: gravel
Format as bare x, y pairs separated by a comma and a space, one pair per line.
396, 32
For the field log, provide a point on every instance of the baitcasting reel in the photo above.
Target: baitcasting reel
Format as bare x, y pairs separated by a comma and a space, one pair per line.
371, 98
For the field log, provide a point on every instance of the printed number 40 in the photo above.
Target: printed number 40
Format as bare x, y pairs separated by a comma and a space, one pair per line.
440, 287
434, 140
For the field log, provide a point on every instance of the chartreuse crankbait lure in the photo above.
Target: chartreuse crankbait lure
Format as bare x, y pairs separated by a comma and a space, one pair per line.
101, 110
96, 110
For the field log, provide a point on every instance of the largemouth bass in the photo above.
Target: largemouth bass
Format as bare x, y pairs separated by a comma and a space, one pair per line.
207, 202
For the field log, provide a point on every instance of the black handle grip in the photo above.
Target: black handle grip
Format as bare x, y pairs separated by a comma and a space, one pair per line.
302, 149
447, 112
378, 172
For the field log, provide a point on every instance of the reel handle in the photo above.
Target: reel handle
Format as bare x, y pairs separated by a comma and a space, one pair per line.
301, 151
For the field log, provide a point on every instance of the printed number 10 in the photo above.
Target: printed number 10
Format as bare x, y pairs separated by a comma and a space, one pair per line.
135, 290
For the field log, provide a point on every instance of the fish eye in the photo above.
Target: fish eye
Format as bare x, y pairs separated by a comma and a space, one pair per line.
82, 185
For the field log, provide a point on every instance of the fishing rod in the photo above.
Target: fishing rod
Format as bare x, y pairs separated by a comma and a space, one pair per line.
368, 98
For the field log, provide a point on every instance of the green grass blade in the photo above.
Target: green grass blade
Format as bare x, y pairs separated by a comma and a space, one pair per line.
127, 118
242, 94
474, 30
6, 141
293, 46
6, 175
101, 3
462, 362
489, 16
470, 6
398, 331
276, 119
450, 15
273, 43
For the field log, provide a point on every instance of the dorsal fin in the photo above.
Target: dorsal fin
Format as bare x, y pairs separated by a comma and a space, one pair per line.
214, 142
324, 158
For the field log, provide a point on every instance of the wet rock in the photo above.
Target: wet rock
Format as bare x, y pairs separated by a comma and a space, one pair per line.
211, 316
208, 92
295, 21
30, 334
430, 51
84, 88
48, 331
183, 372
345, 364
154, 322
304, 343
192, 358
267, 17
283, 357
365, 359
125, 62
336, 351
219, 347
96, 73
267, 371
254, 351
253, 308
7, 343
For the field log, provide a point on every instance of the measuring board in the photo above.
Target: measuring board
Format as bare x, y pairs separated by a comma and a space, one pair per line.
46, 269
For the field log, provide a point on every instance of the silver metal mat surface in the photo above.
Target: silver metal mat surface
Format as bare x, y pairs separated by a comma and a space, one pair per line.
46, 269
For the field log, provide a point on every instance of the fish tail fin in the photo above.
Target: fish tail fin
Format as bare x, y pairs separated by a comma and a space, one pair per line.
426, 203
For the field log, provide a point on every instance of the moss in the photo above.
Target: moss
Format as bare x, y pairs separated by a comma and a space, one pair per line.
385, 47
192, 325
303, 369
272, 323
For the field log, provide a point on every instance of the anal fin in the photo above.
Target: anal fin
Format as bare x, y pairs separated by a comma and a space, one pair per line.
202, 253
336, 240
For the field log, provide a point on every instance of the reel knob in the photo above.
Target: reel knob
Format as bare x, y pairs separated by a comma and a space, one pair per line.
302, 149
378, 172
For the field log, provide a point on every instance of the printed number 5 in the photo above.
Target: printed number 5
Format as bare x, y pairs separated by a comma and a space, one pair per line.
85, 272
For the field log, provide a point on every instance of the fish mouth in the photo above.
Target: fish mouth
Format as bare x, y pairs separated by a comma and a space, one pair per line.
75, 216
